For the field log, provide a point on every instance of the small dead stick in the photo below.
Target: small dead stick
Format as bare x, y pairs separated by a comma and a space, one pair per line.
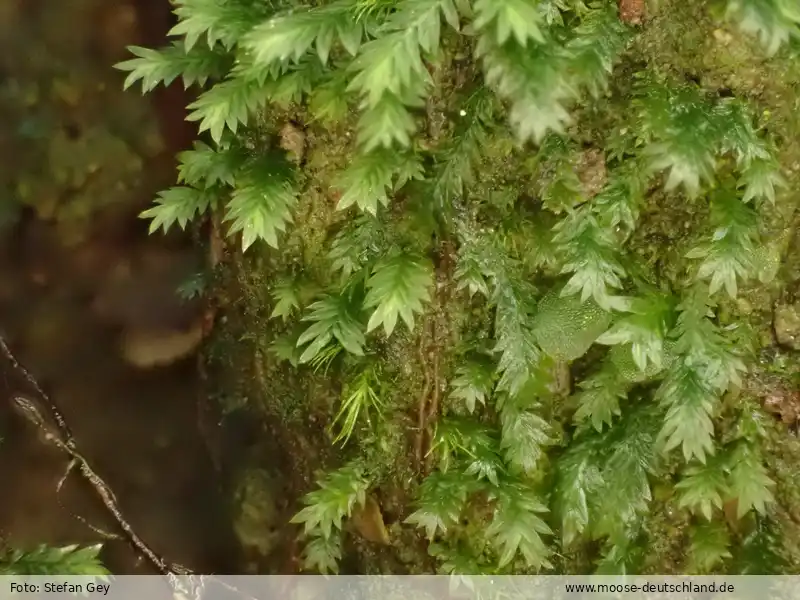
185, 585
438, 332
57, 432
422, 403
433, 408
60, 485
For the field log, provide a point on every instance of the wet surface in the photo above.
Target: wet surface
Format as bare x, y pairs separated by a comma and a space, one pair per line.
80, 160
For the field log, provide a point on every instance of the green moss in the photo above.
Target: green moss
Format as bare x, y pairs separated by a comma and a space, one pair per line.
565, 327
622, 358
667, 536
682, 42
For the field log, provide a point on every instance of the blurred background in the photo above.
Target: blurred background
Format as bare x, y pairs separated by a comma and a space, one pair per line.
87, 299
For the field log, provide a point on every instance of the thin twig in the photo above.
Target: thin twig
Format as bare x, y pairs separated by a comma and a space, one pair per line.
440, 334
60, 485
422, 403
58, 433
185, 584
433, 405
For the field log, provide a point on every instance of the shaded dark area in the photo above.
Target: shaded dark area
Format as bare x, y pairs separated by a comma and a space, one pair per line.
82, 159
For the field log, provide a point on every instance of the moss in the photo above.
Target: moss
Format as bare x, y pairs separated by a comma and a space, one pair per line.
292, 405
621, 356
667, 537
565, 328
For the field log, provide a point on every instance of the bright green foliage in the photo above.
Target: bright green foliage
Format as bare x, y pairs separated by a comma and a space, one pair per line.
707, 366
359, 243
154, 67
461, 440
578, 479
367, 182
292, 36
322, 554
332, 318
287, 300
691, 405
226, 106
538, 73
565, 327
327, 507
178, 206
442, 497
215, 20
398, 287
603, 488
524, 438
261, 204
361, 396
729, 253
473, 383
773, 21
703, 488
644, 329
709, 547
622, 366
206, 167
737, 473
516, 526
50, 560
750, 484
569, 215
626, 468
599, 398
